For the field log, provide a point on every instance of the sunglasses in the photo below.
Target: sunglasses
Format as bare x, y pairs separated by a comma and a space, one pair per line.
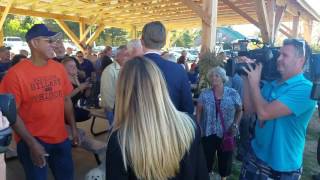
299, 43
50, 41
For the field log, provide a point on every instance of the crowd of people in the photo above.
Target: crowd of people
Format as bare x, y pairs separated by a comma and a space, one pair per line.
156, 130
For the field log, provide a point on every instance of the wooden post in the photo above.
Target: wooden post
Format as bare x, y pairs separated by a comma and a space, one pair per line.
295, 26
263, 20
278, 18
5, 13
209, 30
307, 30
271, 5
82, 27
1, 38
133, 32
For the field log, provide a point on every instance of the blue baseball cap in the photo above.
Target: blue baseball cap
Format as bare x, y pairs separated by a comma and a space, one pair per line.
41, 30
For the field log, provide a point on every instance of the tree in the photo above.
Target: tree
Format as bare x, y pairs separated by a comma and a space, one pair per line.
114, 36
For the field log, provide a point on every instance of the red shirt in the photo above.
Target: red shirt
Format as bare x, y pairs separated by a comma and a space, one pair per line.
40, 93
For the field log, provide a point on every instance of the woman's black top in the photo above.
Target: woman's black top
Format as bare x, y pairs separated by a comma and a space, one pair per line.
192, 166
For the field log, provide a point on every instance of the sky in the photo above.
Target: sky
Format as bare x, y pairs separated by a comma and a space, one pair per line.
250, 30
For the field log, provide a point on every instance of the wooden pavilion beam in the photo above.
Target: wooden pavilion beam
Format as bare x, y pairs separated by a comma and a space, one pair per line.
240, 12
1, 38
284, 32
307, 30
69, 33
286, 28
95, 35
5, 13
82, 27
133, 32
28, 12
198, 10
263, 20
295, 26
209, 30
280, 11
271, 6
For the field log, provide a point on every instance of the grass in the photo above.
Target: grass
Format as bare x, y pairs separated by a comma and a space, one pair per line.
310, 164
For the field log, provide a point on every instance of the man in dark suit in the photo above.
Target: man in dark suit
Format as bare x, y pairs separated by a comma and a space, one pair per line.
153, 39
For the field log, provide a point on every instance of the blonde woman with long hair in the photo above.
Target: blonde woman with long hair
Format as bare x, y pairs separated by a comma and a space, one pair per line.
151, 139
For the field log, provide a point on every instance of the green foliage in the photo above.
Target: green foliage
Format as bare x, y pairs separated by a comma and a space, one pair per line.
113, 36
315, 48
18, 26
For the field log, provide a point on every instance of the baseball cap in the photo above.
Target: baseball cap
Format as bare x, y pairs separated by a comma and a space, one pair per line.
41, 30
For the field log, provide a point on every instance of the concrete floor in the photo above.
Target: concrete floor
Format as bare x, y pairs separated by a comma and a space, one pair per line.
83, 160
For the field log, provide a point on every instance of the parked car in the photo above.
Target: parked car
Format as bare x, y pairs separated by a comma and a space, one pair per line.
16, 44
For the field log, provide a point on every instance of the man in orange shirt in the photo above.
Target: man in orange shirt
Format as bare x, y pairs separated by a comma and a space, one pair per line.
41, 89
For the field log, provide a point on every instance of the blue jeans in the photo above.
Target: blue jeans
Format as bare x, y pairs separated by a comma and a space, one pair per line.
59, 160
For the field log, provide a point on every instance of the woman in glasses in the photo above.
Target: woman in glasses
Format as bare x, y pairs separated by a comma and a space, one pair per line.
150, 138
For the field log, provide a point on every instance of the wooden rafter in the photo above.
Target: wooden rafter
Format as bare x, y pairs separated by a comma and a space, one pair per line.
280, 10
96, 34
5, 13
240, 12
198, 10
69, 33
295, 26
82, 27
263, 18
284, 32
307, 29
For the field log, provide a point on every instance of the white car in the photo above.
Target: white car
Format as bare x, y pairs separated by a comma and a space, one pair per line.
16, 44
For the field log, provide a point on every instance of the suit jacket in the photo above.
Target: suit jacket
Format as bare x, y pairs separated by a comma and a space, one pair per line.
177, 82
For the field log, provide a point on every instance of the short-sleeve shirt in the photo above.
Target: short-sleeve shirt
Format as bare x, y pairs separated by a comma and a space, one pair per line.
87, 67
210, 121
108, 85
40, 92
280, 142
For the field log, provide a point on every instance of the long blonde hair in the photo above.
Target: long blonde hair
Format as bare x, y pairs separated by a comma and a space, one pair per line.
152, 134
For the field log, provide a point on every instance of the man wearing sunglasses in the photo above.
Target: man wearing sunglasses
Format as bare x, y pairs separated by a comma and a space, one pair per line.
41, 88
283, 108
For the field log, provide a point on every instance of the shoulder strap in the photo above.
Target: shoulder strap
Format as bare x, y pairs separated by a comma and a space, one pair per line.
219, 112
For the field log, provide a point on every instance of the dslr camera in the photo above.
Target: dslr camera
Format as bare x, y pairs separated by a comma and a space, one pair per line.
266, 55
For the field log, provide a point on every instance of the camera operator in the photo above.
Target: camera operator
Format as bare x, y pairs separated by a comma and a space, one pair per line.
283, 108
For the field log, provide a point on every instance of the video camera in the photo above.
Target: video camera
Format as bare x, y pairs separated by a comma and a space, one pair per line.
314, 66
8, 108
267, 56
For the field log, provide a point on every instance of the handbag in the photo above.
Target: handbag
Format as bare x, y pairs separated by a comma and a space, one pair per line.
228, 141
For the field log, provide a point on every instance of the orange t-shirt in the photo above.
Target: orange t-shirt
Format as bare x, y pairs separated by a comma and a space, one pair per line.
40, 93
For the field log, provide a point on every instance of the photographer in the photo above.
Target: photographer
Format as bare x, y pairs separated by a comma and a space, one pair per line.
283, 108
